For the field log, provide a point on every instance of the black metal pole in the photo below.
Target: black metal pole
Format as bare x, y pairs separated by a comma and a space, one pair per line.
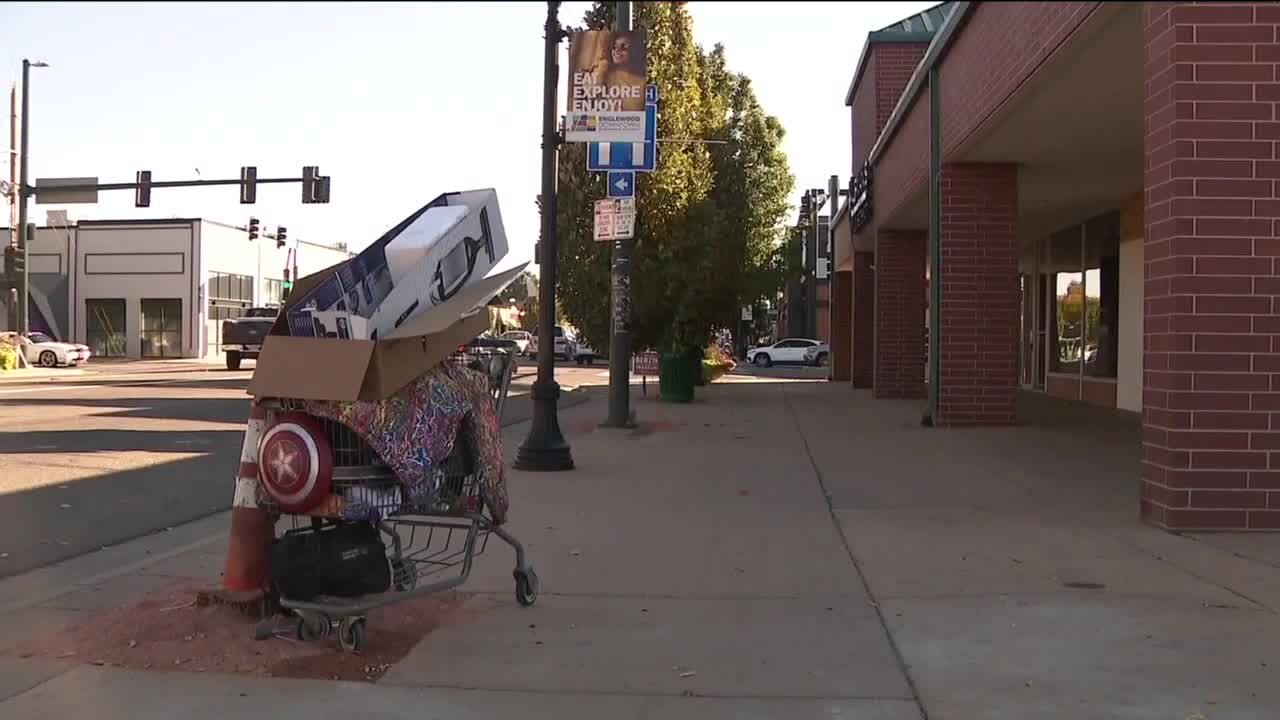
24, 292
545, 448
935, 250
620, 335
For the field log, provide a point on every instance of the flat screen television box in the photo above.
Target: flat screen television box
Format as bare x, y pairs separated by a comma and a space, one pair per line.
456, 239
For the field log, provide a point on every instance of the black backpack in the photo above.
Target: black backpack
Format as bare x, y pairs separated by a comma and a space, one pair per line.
347, 559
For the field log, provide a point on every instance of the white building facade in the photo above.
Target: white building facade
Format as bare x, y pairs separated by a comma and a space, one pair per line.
156, 288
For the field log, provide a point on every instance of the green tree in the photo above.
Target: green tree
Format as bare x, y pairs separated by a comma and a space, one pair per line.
709, 218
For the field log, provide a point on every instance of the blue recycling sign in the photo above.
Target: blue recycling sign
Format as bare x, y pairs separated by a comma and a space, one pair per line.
636, 157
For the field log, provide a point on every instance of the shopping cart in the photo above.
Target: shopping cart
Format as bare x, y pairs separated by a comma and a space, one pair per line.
430, 547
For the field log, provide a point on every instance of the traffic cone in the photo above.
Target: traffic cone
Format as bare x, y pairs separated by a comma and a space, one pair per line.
247, 573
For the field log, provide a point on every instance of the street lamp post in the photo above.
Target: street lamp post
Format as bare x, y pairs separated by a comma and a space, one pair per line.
545, 448
24, 295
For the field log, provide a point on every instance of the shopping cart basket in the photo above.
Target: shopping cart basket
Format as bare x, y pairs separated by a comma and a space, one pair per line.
430, 547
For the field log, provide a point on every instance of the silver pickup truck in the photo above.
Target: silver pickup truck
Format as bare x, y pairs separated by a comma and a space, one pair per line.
242, 337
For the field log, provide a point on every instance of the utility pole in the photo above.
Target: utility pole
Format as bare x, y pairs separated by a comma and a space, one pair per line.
620, 327
545, 448
24, 312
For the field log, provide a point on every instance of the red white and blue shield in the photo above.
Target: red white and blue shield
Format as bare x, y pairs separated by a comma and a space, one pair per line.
295, 462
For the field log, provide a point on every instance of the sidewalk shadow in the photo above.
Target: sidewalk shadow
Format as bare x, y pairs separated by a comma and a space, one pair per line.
216, 410
44, 525
104, 440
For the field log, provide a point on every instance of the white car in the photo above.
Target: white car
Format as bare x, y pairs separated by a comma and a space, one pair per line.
790, 351
521, 338
566, 346
40, 349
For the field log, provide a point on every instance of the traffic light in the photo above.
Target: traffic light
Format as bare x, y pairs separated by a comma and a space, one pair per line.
10, 261
280, 231
315, 187
248, 185
286, 286
806, 208
142, 196
253, 229
310, 174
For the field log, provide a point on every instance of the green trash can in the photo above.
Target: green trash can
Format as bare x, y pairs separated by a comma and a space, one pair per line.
676, 377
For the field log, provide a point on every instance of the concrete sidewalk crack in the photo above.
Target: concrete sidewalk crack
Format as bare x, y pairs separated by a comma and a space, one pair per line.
667, 596
1261, 605
853, 560
642, 693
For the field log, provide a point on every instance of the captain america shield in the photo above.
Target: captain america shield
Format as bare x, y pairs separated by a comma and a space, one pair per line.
295, 463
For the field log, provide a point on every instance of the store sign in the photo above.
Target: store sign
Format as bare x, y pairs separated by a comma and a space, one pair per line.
860, 199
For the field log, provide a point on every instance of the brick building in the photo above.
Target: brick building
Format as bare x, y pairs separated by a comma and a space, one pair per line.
1104, 228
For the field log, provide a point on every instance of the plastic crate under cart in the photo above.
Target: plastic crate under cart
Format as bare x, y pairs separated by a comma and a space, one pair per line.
377, 536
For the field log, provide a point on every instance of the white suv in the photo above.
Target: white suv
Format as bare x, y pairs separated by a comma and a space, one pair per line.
790, 351
566, 344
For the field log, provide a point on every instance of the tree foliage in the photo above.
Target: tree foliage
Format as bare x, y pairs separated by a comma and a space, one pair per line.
709, 224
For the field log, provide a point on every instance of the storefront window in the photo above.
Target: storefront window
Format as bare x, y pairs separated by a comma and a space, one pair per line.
1067, 330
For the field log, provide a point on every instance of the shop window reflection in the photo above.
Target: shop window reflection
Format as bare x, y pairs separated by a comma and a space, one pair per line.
1067, 329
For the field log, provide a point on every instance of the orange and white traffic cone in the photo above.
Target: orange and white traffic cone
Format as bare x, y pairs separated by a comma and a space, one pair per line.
247, 573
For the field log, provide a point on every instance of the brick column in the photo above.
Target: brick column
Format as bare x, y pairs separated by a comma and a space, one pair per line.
899, 310
978, 357
841, 325
1211, 395
864, 319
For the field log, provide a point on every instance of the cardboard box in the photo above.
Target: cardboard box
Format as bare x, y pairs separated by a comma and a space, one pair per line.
418, 264
318, 368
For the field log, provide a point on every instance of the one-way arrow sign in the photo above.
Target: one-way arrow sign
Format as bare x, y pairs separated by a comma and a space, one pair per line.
622, 184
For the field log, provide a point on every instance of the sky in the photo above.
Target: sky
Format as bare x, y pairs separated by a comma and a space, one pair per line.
397, 102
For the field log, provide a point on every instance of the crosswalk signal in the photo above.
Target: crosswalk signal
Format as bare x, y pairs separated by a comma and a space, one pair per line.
142, 192
248, 185
253, 229
280, 235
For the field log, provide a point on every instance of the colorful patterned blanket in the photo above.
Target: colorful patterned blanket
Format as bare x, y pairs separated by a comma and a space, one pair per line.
415, 430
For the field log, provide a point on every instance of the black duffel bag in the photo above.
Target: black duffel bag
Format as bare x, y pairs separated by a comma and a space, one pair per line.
343, 560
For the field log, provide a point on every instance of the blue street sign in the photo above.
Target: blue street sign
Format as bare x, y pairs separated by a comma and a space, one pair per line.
638, 157
622, 184
650, 94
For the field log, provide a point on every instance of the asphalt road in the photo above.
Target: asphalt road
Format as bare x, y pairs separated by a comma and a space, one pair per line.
91, 460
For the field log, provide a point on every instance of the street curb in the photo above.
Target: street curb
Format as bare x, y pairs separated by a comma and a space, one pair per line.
93, 568
17, 376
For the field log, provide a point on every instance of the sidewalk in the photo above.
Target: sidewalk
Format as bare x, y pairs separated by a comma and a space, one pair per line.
775, 550
33, 374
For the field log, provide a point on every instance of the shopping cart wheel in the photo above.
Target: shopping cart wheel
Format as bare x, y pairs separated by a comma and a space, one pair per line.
313, 627
351, 634
526, 587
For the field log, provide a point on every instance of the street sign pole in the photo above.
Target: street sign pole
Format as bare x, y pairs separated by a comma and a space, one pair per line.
24, 312
620, 327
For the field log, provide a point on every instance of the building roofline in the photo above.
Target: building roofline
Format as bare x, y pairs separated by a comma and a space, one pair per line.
879, 38
143, 221
897, 33
932, 57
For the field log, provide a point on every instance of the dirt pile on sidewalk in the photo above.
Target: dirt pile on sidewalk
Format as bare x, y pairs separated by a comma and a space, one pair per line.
168, 631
